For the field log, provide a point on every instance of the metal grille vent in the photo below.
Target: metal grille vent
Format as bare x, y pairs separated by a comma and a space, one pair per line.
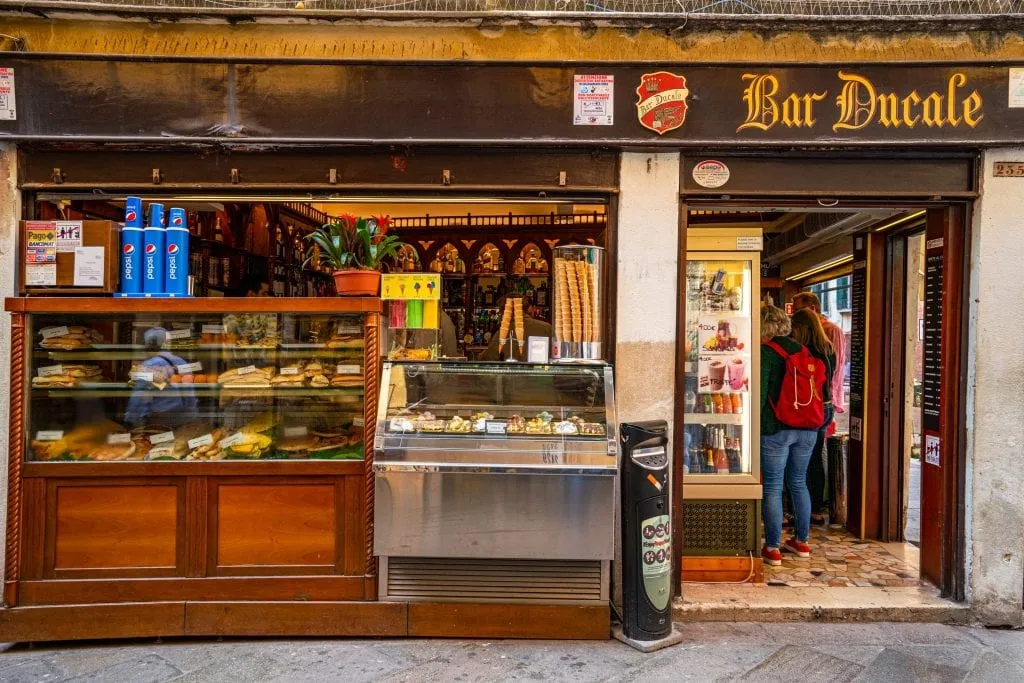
725, 527
424, 578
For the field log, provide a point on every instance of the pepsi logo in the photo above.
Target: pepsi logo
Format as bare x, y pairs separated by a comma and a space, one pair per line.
150, 249
177, 220
130, 216
129, 249
172, 249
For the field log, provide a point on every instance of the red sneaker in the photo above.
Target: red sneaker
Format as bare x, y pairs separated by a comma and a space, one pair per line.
799, 548
771, 556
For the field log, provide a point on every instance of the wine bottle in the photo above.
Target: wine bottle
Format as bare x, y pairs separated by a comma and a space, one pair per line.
721, 458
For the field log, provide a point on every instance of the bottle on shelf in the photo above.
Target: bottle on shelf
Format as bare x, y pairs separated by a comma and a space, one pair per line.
542, 294
721, 457
709, 449
735, 462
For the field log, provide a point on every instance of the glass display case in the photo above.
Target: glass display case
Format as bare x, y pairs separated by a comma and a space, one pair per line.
194, 387
493, 413
721, 368
495, 460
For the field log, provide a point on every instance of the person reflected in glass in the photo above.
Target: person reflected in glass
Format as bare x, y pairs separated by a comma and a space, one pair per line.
159, 396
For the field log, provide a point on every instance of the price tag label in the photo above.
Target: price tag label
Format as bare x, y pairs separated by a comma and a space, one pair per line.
348, 370
247, 370
495, 426
142, 376
200, 441
293, 432
49, 435
162, 437
188, 368
233, 440
146, 323
51, 370
51, 332
180, 334
358, 422
118, 439
289, 371
213, 329
164, 452
349, 329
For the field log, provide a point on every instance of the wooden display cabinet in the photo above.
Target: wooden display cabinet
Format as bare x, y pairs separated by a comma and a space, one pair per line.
145, 547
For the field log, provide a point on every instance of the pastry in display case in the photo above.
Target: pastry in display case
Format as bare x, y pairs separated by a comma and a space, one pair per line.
195, 387
466, 404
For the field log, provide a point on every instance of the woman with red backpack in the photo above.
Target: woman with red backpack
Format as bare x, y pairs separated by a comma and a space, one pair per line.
792, 412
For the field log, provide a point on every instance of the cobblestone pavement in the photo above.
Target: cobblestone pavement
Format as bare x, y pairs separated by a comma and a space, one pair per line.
710, 652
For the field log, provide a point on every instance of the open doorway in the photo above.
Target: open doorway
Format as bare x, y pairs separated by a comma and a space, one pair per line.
870, 500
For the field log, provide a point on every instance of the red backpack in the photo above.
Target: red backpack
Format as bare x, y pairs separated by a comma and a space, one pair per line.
801, 403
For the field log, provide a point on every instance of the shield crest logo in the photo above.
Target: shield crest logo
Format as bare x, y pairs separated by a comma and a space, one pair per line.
661, 106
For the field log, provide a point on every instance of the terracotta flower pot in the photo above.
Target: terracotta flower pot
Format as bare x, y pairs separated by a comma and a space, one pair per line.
357, 282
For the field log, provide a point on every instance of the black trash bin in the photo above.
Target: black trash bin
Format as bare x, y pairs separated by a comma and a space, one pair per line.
646, 531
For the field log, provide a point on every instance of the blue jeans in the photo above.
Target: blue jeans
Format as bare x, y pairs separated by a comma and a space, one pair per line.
785, 456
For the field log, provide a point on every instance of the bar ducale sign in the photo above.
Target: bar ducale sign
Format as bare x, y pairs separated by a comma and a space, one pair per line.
859, 104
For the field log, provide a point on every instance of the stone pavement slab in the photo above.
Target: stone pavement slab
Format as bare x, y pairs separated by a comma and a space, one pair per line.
711, 651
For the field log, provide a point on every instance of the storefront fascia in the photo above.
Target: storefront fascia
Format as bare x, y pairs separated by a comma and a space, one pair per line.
864, 110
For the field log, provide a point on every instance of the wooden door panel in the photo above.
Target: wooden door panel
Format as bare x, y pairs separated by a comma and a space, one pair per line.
275, 525
113, 526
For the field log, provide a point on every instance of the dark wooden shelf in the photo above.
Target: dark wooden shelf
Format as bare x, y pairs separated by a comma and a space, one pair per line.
194, 305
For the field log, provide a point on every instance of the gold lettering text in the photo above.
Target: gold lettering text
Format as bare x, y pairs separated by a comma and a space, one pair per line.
931, 112
856, 102
762, 109
972, 109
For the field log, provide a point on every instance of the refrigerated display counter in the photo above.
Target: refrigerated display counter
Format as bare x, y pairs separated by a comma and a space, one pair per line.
495, 482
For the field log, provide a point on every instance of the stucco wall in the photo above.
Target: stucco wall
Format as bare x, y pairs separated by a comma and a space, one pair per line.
10, 212
995, 475
648, 239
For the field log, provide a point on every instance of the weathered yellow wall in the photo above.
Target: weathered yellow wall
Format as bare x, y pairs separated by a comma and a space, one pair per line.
307, 39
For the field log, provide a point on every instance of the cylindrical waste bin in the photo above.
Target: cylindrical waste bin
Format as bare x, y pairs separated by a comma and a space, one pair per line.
646, 531
836, 447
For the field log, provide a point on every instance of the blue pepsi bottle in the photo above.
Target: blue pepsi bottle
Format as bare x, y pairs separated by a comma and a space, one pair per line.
153, 251
176, 266
132, 244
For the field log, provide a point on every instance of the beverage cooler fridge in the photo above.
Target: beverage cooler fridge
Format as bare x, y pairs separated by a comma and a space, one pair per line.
721, 425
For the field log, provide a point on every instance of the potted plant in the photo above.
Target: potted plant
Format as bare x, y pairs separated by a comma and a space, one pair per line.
354, 249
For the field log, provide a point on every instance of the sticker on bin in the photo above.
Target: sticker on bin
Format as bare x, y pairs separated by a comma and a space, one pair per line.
213, 329
49, 435
293, 432
162, 437
118, 439
190, 367
180, 334
158, 453
146, 323
51, 332
200, 441
142, 376
349, 329
348, 370
358, 422
51, 370
233, 440
290, 371
247, 370
495, 426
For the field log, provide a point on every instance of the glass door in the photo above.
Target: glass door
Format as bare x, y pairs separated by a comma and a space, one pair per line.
721, 368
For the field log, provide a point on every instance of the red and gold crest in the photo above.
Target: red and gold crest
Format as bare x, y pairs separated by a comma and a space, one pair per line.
661, 106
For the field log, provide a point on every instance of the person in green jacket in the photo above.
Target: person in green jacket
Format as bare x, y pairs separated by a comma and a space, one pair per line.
785, 452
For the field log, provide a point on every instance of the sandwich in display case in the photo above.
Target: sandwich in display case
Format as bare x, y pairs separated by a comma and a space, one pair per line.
487, 469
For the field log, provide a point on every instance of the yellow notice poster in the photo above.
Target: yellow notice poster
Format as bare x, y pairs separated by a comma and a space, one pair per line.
410, 286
